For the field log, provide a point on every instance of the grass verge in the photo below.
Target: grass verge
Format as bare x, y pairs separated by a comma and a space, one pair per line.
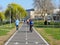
51, 32
6, 31
52, 35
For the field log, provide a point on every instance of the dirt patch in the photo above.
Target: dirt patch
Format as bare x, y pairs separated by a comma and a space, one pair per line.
3, 39
58, 42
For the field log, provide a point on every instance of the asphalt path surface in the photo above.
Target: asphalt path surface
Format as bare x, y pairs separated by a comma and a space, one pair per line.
24, 37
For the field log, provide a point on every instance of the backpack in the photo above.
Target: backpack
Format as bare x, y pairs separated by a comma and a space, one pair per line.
31, 22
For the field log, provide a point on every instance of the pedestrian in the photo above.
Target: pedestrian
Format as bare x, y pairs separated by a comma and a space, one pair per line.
24, 21
17, 24
45, 22
28, 21
31, 24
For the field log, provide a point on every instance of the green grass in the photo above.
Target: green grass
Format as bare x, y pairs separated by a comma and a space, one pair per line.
55, 32
4, 29
50, 34
3, 32
52, 31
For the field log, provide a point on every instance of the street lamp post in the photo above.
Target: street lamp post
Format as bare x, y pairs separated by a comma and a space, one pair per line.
10, 14
20, 15
16, 13
10, 17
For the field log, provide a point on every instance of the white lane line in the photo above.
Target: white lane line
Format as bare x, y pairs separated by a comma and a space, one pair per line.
40, 36
26, 38
11, 37
26, 32
26, 42
16, 43
36, 42
26, 35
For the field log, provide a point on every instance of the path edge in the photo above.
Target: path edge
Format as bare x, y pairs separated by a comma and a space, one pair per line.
6, 43
40, 36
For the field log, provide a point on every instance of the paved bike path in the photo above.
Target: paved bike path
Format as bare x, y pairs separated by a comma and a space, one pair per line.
24, 37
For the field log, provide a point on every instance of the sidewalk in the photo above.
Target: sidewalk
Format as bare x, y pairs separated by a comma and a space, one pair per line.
24, 37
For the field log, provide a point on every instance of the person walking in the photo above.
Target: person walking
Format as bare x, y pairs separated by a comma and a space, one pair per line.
24, 21
17, 24
31, 24
28, 21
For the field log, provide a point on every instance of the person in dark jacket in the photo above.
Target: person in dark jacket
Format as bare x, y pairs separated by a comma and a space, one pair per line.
31, 24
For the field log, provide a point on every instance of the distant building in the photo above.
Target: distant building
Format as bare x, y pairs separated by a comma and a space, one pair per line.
56, 10
33, 14
37, 15
30, 13
56, 15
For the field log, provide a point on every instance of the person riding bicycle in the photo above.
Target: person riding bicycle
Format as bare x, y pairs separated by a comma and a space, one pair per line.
17, 24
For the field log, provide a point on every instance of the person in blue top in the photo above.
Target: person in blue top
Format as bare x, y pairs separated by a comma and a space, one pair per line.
31, 24
17, 24
24, 21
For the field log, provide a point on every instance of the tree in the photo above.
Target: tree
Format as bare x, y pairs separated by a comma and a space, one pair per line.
43, 6
2, 17
15, 11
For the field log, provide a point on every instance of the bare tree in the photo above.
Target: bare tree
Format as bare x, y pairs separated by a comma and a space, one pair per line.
45, 6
